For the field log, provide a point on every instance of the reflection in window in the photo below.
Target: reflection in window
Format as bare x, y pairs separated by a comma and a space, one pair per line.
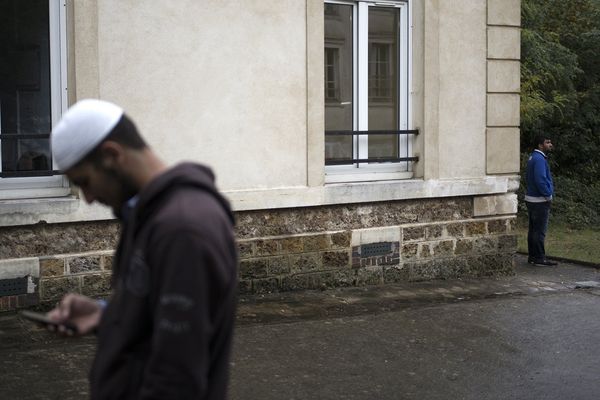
380, 72
332, 79
338, 80
331, 10
383, 88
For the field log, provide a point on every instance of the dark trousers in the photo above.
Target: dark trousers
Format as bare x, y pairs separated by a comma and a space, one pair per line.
538, 225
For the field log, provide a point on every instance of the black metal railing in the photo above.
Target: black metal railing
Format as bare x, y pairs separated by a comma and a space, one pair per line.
26, 173
21, 136
350, 161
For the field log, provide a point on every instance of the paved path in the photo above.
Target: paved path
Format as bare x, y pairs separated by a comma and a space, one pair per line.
531, 336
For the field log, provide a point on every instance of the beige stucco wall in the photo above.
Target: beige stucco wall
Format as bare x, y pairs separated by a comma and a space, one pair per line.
462, 50
211, 81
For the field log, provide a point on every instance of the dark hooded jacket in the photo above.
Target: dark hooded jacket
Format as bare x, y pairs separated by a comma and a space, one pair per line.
166, 332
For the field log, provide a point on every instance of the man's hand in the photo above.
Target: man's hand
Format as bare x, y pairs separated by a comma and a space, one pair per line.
78, 310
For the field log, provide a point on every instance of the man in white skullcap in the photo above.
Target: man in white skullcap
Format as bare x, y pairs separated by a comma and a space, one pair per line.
166, 331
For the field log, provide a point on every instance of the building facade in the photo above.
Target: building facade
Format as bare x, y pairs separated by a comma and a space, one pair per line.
359, 142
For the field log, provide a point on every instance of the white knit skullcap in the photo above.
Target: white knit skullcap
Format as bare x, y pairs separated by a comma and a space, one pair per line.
81, 129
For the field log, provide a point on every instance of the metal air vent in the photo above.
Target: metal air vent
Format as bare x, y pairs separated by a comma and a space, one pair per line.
375, 249
13, 287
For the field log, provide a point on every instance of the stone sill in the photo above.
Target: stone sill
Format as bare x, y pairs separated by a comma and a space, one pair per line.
73, 209
367, 192
50, 210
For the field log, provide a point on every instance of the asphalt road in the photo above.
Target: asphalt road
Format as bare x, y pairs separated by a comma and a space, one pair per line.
534, 347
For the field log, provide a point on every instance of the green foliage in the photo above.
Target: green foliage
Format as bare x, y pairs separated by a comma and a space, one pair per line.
560, 97
576, 204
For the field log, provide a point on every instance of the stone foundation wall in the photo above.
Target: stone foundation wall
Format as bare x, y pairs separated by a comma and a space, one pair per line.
400, 253
284, 249
57, 258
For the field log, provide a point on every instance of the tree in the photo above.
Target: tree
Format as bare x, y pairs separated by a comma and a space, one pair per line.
560, 94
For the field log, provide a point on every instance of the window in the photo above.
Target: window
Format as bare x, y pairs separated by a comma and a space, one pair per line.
367, 76
332, 72
381, 73
32, 96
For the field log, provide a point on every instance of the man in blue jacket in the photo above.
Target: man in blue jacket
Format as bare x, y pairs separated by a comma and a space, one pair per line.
540, 190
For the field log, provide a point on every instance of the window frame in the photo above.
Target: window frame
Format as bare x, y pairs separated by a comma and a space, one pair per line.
387, 171
14, 188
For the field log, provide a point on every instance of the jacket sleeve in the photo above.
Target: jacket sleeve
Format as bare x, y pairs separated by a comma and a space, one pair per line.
542, 178
187, 285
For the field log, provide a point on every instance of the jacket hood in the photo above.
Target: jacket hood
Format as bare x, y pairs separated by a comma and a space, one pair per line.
184, 174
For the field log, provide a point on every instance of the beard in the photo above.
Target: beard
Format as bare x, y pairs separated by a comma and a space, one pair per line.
124, 190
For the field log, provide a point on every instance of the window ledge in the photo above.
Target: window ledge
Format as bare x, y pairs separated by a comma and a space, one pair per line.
50, 210
367, 192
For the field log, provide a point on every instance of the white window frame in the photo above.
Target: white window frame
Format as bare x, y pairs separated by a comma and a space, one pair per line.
58, 185
387, 171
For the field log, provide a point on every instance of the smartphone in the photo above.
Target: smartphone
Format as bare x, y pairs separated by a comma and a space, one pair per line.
43, 320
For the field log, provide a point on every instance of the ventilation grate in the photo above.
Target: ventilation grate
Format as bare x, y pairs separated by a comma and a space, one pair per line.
375, 249
13, 287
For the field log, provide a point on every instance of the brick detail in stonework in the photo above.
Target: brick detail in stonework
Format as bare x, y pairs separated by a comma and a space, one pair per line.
410, 251
107, 262
463, 247
435, 232
292, 245
497, 227
317, 242
279, 265
95, 284
335, 259
341, 240
77, 265
266, 247
443, 249
413, 233
54, 288
477, 228
253, 268
52, 267
245, 249
456, 230
306, 262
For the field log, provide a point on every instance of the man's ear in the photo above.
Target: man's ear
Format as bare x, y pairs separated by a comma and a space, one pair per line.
112, 153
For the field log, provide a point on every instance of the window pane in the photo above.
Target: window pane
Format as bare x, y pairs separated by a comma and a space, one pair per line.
383, 84
338, 80
25, 83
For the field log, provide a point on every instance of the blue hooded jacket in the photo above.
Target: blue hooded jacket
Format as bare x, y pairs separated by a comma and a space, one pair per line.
538, 177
